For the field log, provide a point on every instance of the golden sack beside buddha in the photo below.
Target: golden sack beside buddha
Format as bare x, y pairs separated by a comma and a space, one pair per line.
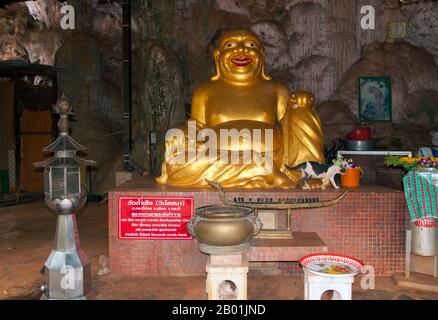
243, 99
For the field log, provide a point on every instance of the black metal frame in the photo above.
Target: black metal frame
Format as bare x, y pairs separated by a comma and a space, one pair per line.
127, 84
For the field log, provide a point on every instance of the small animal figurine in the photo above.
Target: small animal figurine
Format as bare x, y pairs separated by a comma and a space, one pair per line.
324, 172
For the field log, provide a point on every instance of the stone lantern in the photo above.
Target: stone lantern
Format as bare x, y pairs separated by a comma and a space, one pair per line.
67, 269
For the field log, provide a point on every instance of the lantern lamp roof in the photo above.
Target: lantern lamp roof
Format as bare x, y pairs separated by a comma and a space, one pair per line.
64, 143
60, 162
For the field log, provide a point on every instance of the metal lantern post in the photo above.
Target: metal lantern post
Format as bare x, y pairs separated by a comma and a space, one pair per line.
67, 270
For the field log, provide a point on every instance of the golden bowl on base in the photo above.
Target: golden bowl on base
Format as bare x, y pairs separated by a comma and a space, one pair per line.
222, 230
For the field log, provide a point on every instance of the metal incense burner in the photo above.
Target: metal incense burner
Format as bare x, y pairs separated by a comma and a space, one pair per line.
67, 270
286, 233
224, 229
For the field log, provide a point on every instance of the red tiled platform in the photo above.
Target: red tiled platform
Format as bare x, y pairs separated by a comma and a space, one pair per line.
368, 224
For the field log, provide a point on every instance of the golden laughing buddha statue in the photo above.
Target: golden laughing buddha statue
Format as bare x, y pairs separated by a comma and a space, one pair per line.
242, 99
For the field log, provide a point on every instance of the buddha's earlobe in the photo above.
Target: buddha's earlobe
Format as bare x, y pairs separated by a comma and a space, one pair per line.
216, 54
264, 75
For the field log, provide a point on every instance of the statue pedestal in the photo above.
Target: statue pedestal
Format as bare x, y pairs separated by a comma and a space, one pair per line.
227, 277
369, 223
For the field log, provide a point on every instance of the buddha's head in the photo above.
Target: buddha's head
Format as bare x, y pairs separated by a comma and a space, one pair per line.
240, 58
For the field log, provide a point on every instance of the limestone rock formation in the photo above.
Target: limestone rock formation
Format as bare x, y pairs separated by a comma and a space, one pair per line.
158, 104
423, 109
30, 33
96, 104
414, 91
411, 69
401, 137
423, 26
13, 22
337, 120
41, 47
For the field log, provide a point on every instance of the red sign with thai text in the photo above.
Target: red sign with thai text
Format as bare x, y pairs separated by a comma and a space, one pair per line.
155, 218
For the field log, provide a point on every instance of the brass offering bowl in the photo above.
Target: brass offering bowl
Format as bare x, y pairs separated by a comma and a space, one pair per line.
224, 229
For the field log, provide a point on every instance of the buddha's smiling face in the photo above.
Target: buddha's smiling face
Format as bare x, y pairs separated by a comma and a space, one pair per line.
239, 57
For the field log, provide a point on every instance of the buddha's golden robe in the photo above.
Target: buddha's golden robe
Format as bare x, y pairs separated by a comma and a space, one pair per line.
242, 97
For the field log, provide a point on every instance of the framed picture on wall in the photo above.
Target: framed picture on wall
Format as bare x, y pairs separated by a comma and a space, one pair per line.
375, 99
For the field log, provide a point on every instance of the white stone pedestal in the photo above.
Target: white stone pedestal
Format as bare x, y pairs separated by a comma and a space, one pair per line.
227, 277
315, 285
